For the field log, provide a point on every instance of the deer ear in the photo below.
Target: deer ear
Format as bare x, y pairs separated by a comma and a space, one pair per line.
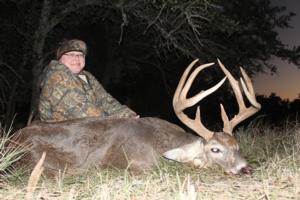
185, 153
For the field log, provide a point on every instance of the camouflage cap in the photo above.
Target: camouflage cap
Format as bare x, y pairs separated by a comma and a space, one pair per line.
71, 45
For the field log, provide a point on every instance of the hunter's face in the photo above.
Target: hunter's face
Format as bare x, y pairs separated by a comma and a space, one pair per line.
74, 60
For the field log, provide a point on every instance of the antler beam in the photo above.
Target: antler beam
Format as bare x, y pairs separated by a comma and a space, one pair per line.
244, 112
181, 102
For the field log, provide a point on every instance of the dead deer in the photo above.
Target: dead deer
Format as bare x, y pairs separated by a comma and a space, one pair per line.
75, 145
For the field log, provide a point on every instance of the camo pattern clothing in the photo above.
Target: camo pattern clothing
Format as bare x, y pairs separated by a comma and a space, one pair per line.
65, 95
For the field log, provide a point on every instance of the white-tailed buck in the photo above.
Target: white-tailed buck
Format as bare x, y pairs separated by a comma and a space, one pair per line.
138, 144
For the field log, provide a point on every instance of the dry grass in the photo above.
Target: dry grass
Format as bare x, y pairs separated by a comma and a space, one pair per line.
273, 152
8, 155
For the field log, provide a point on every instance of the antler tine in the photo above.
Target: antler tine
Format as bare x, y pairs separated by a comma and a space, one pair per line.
235, 86
244, 112
248, 89
182, 80
181, 102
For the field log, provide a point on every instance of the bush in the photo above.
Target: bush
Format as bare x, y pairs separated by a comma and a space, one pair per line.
9, 154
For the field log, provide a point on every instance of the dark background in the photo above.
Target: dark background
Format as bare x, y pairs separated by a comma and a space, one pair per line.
139, 49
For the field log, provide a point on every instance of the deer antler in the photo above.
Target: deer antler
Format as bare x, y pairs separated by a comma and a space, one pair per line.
181, 102
244, 112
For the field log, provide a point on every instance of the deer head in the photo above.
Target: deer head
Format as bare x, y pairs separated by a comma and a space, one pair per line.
216, 147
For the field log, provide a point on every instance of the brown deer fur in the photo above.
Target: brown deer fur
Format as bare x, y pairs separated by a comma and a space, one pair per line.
78, 144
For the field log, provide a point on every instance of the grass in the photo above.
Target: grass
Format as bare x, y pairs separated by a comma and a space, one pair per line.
8, 155
273, 152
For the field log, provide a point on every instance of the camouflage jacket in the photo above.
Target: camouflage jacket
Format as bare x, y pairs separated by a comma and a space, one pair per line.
65, 95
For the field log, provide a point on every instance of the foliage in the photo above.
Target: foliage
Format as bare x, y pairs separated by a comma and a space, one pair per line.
276, 110
254, 39
210, 29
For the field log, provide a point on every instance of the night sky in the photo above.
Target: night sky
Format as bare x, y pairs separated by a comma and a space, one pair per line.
286, 82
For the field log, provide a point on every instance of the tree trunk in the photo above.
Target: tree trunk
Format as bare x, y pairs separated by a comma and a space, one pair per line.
37, 50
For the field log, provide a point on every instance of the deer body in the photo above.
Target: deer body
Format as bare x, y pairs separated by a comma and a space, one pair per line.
138, 144
82, 143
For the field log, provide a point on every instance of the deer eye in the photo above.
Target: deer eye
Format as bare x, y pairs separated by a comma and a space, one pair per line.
215, 150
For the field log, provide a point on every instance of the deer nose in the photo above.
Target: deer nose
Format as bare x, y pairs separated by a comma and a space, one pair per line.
247, 170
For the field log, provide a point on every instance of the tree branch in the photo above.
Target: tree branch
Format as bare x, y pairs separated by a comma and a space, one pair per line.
69, 7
